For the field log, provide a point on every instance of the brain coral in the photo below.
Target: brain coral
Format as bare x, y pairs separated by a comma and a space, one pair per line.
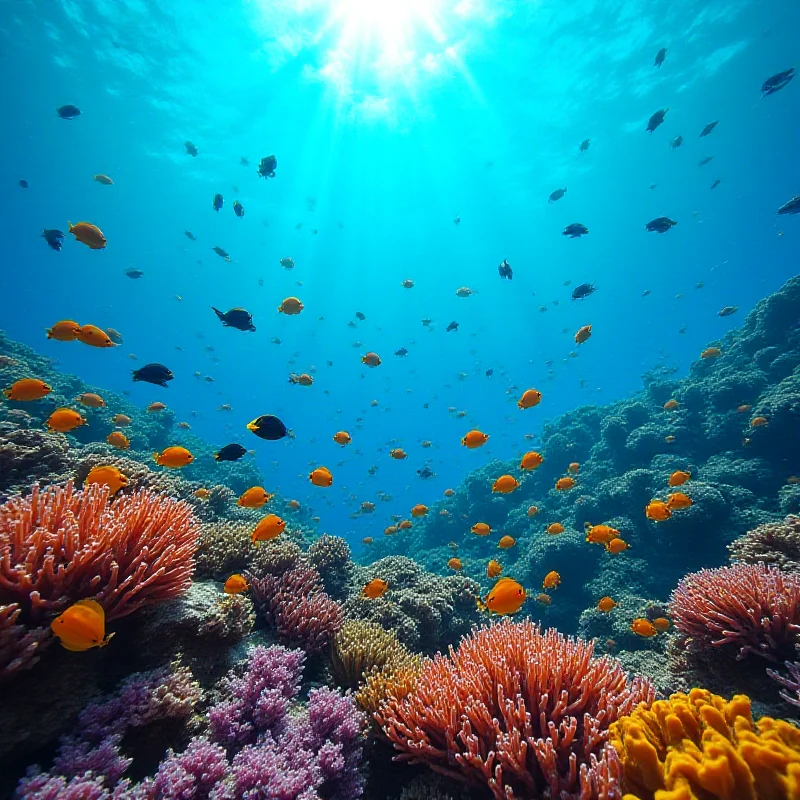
700, 746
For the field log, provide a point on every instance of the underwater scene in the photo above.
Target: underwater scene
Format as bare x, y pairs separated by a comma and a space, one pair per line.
400, 400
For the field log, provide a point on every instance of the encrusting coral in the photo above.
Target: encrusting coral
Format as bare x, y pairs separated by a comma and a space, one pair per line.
776, 544
519, 711
700, 746
330, 556
749, 608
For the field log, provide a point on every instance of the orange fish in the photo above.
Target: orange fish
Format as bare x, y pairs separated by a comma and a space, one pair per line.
481, 529
254, 497
367, 540
81, 627
90, 400
757, 422
743, 409
65, 331
371, 360
236, 584
552, 580
711, 352
474, 439
643, 627
661, 624
295, 504
531, 460
678, 500
544, 599
533, 511
506, 542
390, 531
342, 438
404, 524
605, 604
291, 306
600, 534
669, 439
88, 234
506, 597
107, 475
64, 420
562, 484
449, 492
555, 528
118, 439
270, 527
505, 484
173, 457
202, 493
494, 569
94, 336
419, 510
670, 404
657, 510
321, 476
574, 468
121, 419
375, 588
398, 453
303, 379
27, 389
529, 399
583, 334
367, 507
678, 478
616, 546
157, 406
185, 426
455, 563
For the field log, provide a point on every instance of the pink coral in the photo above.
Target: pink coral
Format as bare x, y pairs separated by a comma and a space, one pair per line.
522, 712
750, 607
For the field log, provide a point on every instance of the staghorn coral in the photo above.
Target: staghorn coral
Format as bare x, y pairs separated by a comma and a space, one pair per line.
790, 682
749, 608
360, 647
330, 556
776, 544
297, 608
518, 711
699, 745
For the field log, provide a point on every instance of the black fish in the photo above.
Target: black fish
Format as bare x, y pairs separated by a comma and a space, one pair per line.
157, 374
705, 160
456, 221
23, 184
135, 274
777, 81
504, 269
660, 56
708, 128
54, 238
401, 352
238, 208
268, 427
660, 224
231, 452
244, 162
218, 201
716, 183
453, 326
220, 252
557, 195
425, 473
267, 167
191, 149
584, 290
236, 318
190, 235
791, 206
584, 145
575, 230
360, 316
68, 112
656, 119
489, 373
676, 142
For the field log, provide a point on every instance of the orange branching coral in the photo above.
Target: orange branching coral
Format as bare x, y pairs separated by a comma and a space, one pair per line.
58, 546
700, 747
522, 712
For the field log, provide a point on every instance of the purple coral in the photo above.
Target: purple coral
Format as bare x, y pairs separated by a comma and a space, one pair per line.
790, 682
295, 605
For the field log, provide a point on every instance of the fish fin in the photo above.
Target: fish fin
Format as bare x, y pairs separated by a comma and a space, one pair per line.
69, 226
155, 458
106, 640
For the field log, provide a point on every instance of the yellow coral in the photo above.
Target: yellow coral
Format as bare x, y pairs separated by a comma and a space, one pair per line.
360, 647
396, 680
701, 747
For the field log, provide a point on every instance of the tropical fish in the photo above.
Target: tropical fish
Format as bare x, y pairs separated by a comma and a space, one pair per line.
574, 468
119, 440
494, 569
656, 119
670, 404
455, 564
121, 419
156, 374
531, 460
68, 111
104, 179
419, 510
321, 476
474, 438
202, 493
554, 528
481, 529
505, 484
643, 627
506, 542
27, 389
342, 438
88, 234
658, 511
231, 452
254, 497
94, 336
678, 500
600, 534
616, 546
529, 399
605, 604
81, 626
64, 331
661, 624
173, 457
108, 475
544, 599
268, 427
291, 306
711, 352
398, 453
552, 580
371, 360
506, 597
758, 422
375, 588
583, 334
563, 484
678, 478
533, 511
64, 420
270, 527
154, 408
236, 584
575, 230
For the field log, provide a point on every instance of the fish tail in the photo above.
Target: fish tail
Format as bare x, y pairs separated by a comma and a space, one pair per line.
155, 457
69, 226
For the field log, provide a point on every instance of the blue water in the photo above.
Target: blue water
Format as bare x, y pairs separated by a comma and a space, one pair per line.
389, 120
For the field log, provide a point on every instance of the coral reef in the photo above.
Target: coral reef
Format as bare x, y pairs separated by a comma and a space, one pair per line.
790, 682
330, 557
294, 604
774, 543
517, 710
744, 608
699, 745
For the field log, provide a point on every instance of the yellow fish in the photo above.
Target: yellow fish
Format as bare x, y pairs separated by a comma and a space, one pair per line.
173, 457
107, 475
507, 597
82, 626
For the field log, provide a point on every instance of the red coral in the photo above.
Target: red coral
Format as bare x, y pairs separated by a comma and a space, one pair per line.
295, 605
58, 546
751, 607
523, 712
